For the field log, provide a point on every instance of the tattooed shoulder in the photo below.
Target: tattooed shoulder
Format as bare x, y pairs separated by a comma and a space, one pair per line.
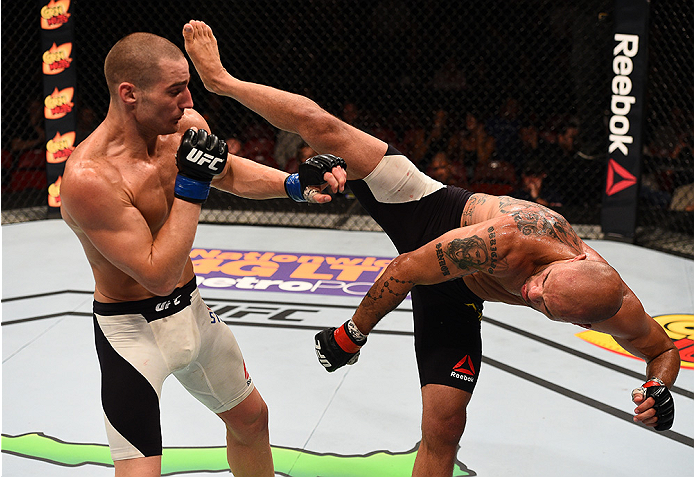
509, 204
540, 221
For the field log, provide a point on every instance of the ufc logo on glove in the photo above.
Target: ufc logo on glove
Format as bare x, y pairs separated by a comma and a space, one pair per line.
200, 158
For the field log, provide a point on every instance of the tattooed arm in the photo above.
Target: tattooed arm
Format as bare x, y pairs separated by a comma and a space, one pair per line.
457, 253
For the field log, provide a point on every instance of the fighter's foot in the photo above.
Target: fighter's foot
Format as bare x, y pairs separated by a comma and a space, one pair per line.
202, 48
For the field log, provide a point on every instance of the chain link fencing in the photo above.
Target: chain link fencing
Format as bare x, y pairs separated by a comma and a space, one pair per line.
496, 96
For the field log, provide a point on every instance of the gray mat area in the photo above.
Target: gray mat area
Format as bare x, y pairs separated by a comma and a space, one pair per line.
549, 401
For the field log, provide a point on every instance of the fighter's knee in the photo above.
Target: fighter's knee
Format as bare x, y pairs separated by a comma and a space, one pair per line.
257, 422
247, 421
443, 430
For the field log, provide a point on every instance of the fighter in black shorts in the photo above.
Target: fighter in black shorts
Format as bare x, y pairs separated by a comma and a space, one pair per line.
455, 243
447, 316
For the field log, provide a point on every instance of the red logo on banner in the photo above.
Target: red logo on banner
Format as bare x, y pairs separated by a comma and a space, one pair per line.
618, 178
57, 59
58, 104
60, 147
55, 14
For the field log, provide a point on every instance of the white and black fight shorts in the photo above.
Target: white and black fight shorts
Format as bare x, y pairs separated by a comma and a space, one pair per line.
140, 343
414, 209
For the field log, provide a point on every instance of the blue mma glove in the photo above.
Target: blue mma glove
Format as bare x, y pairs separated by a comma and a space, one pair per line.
302, 186
200, 157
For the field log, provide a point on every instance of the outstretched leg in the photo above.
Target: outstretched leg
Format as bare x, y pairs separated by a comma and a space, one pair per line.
201, 45
325, 133
248, 440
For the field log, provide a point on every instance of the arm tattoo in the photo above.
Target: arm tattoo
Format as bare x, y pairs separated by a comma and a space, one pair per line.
468, 253
469, 208
387, 289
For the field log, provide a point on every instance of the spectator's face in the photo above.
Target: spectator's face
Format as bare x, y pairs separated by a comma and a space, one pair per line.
531, 181
440, 117
568, 139
529, 134
440, 169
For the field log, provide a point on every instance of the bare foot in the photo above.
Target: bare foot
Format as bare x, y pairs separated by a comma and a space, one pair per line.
202, 48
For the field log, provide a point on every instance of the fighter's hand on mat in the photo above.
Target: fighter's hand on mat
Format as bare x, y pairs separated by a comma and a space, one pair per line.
315, 174
655, 406
200, 157
337, 347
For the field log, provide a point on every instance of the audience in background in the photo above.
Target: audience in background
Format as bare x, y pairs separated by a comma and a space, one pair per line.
505, 128
424, 142
471, 145
304, 151
31, 133
287, 145
446, 171
533, 187
683, 198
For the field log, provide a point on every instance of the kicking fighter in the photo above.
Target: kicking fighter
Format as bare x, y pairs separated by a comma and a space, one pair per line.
458, 249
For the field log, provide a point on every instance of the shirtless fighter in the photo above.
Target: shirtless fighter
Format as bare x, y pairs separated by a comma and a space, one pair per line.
458, 250
132, 193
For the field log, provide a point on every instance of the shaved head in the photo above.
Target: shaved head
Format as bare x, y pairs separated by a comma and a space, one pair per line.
136, 58
590, 291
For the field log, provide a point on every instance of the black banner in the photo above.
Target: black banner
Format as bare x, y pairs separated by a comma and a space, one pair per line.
59, 78
628, 87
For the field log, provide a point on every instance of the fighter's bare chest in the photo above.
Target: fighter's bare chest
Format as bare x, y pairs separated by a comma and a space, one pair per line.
151, 189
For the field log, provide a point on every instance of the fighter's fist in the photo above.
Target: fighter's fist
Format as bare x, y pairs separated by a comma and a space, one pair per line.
664, 404
302, 186
200, 157
337, 347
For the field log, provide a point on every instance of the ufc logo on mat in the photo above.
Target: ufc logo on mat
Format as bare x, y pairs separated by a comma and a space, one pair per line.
199, 157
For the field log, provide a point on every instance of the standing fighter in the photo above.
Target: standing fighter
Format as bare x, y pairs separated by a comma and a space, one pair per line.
132, 192
458, 250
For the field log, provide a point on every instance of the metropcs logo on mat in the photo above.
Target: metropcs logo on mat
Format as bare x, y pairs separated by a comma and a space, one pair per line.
342, 275
680, 328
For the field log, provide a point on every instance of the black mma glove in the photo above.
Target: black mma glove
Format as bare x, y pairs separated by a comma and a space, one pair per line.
664, 404
200, 157
300, 187
336, 347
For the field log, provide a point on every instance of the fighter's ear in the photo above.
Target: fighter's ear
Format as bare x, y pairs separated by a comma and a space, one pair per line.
583, 256
126, 92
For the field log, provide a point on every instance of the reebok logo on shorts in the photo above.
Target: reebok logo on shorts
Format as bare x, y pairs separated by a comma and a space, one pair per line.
247, 376
464, 370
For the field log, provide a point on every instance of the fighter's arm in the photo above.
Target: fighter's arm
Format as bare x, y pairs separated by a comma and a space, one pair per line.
243, 177
457, 253
96, 201
460, 252
642, 336
291, 112
240, 176
638, 333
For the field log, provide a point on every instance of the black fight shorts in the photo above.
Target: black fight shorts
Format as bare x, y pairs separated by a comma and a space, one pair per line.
447, 316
